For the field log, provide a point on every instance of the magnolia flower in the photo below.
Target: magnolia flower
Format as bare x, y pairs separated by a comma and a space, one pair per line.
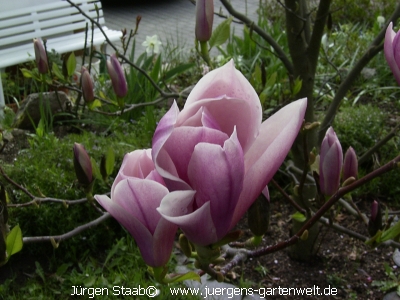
216, 156
152, 44
330, 163
350, 164
82, 165
87, 85
40, 56
135, 194
204, 19
117, 76
392, 51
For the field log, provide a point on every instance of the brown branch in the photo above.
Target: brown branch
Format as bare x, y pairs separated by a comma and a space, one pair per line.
379, 144
16, 184
288, 198
38, 200
70, 234
315, 218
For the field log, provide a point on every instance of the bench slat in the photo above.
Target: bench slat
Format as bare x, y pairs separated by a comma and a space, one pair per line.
43, 33
61, 22
25, 53
21, 19
48, 6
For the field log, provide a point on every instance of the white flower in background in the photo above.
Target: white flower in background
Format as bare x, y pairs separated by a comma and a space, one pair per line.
204, 69
152, 44
239, 61
381, 21
325, 42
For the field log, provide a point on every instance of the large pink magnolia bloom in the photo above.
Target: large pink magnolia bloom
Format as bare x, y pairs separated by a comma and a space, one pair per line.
135, 194
392, 51
216, 156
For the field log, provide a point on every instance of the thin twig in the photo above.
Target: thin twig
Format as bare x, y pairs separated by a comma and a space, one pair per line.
70, 234
288, 198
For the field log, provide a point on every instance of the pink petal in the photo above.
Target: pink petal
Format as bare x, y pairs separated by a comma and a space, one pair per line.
180, 146
164, 129
139, 232
216, 174
389, 49
140, 198
163, 241
198, 225
135, 164
228, 113
267, 153
229, 83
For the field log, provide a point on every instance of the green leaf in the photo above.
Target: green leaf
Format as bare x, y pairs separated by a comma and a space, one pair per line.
71, 64
221, 34
56, 71
110, 161
14, 241
299, 217
271, 80
62, 269
155, 73
178, 70
297, 86
26, 73
95, 168
187, 276
94, 104
391, 233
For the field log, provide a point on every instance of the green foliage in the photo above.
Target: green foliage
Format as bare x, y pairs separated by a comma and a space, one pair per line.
111, 269
393, 282
361, 127
361, 138
361, 11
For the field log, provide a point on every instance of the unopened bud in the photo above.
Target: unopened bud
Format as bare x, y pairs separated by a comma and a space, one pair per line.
204, 19
87, 85
40, 56
82, 165
304, 236
54, 243
117, 76
375, 220
330, 163
310, 126
350, 164
348, 181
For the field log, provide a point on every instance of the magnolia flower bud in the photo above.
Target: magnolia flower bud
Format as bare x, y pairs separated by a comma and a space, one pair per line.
82, 165
392, 40
117, 76
204, 19
350, 164
40, 56
330, 164
87, 85
375, 220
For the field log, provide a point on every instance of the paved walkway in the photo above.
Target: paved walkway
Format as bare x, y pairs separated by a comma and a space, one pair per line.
172, 20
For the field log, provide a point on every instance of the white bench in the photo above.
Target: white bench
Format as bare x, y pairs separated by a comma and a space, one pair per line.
54, 20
